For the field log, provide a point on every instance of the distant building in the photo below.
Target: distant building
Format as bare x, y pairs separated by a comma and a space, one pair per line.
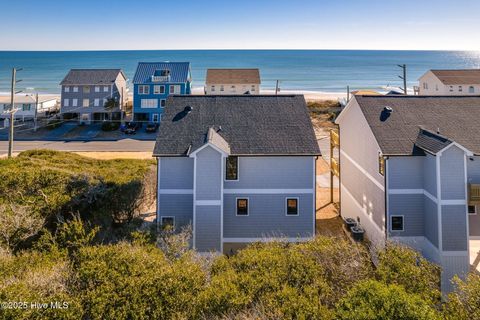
26, 105
153, 83
410, 172
450, 83
85, 92
232, 81
230, 176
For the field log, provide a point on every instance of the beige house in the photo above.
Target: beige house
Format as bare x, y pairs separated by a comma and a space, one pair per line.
232, 81
27, 107
450, 83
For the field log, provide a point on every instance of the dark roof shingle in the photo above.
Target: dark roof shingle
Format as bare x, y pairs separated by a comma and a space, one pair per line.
251, 125
179, 71
91, 76
455, 118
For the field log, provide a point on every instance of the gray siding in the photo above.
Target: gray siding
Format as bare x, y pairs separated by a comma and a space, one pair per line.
208, 224
267, 216
209, 174
474, 224
176, 173
454, 226
405, 172
179, 206
431, 221
473, 168
411, 207
452, 174
273, 173
430, 174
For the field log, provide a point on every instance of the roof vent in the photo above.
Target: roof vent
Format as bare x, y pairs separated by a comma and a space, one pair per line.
219, 128
388, 109
188, 109
438, 130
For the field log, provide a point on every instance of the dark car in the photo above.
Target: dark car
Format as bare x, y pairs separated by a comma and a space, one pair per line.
151, 127
132, 128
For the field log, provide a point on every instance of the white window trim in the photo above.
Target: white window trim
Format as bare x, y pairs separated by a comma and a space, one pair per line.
143, 86
238, 170
286, 207
147, 105
159, 86
66, 102
97, 88
96, 102
155, 115
162, 217
474, 213
83, 103
403, 222
105, 88
75, 89
66, 89
164, 103
236, 206
74, 102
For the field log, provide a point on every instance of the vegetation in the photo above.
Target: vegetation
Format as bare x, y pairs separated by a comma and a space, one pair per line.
55, 250
323, 113
110, 125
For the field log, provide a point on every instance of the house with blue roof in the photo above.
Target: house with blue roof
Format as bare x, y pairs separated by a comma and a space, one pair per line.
153, 83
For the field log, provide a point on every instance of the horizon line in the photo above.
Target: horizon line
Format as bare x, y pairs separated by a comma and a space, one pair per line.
230, 49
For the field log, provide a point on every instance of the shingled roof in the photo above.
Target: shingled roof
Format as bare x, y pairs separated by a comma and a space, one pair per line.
179, 72
91, 76
453, 118
241, 125
458, 77
233, 76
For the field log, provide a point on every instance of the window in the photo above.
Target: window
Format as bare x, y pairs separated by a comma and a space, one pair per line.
158, 89
451, 88
253, 88
381, 164
174, 89
460, 88
396, 223
292, 206
155, 117
143, 89
242, 206
471, 89
167, 222
86, 89
86, 103
96, 102
97, 88
74, 102
425, 86
231, 167
149, 103
105, 88
212, 88
436, 87
66, 89
163, 102
65, 102
26, 107
222, 88
75, 89
472, 210
104, 102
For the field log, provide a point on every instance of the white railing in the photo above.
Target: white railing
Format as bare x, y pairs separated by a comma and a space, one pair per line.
160, 78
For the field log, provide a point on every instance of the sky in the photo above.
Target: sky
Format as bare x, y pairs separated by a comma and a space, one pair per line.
241, 24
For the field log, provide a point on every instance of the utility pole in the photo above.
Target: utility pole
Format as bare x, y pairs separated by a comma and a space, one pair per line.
404, 77
36, 110
122, 107
12, 111
276, 88
348, 94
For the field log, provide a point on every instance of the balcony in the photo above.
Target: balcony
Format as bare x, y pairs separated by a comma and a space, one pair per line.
160, 78
335, 167
473, 194
334, 138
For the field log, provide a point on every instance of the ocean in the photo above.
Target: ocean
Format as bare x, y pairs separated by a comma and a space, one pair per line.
326, 71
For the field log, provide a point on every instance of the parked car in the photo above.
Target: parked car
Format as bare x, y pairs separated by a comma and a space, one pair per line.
151, 127
132, 127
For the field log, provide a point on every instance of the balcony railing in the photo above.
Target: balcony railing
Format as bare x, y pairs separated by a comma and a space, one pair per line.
335, 167
160, 78
334, 138
473, 194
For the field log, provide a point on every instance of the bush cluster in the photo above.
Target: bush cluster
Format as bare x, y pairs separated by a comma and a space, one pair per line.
110, 125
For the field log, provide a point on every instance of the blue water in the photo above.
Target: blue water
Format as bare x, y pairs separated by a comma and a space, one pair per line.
312, 70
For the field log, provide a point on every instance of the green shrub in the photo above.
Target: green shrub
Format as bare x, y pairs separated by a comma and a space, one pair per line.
464, 302
110, 126
54, 124
371, 300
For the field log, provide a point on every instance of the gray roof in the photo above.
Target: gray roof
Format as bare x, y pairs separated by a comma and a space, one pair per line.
91, 76
179, 71
240, 124
455, 118
431, 142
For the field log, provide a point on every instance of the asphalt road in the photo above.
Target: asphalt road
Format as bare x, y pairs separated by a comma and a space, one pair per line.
129, 145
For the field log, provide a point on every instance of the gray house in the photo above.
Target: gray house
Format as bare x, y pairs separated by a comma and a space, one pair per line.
85, 92
410, 172
238, 169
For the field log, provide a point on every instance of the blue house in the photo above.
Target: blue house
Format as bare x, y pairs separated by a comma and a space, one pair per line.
153, 83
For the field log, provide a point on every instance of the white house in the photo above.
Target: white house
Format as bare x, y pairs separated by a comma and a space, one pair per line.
27, 106
410, 172
232, 81
450, 83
